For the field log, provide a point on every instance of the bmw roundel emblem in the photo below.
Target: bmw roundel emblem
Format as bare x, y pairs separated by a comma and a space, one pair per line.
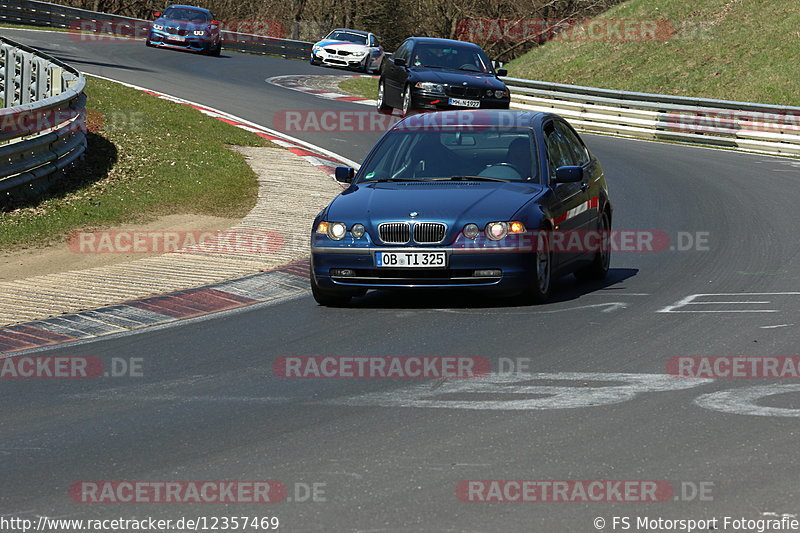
413, 214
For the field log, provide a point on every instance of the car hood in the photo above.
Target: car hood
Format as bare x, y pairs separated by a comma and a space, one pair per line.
454, 203
182, 24
341, 45
457, 77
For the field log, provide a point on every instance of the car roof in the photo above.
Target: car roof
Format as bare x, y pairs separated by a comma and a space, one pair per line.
182, 6
448, 42
360, 32
475, 117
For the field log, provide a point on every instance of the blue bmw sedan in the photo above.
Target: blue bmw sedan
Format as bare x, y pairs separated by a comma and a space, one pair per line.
490, 199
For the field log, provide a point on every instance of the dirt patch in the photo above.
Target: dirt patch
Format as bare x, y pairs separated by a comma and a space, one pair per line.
59, 258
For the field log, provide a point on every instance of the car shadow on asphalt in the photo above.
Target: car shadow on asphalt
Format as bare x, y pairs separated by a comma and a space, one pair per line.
565, 289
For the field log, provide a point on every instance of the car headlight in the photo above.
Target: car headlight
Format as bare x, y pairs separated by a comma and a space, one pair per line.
498, 230
158, 27
334, 230
471, 231
359, 54
501, 93
430, 87
357, 231
315, 48
199, 32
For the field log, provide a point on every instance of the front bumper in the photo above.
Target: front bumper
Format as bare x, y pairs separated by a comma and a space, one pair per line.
338, 61
439, 102
192, 42
515, 269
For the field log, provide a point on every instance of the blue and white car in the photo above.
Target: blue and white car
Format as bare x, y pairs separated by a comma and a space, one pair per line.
346, 48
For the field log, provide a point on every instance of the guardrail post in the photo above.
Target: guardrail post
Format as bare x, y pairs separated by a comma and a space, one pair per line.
56, 80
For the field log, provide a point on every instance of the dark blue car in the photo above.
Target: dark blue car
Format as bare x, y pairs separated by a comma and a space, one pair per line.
185, 28
491, 199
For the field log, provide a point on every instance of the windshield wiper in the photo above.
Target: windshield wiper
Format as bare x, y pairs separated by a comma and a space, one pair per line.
469, 178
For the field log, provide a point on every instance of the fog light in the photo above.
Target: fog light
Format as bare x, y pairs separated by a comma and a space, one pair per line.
343, 273
491, 273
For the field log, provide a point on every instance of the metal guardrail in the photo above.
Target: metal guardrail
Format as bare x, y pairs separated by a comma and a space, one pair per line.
46, 14
741, 125
42, 122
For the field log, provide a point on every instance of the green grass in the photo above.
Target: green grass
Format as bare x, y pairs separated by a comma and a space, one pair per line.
727, 49
147, 157
366, 87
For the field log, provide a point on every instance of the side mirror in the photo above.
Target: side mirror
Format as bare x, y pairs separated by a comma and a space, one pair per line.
157, 15
569, 174
502, 72
344, 174
400, 62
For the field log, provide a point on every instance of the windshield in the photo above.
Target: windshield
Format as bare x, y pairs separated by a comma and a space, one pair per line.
451, 57
187, 15
489, 154
347, 36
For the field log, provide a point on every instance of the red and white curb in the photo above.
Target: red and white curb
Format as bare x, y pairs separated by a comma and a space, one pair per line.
283, 282
304, 84
321, 158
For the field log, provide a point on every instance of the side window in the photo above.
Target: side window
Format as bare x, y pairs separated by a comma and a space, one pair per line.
373, 42
578, 152
402, 51
558, 151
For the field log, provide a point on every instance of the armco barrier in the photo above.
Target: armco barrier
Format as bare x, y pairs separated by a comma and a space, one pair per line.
748, 126
45, 14
42, 121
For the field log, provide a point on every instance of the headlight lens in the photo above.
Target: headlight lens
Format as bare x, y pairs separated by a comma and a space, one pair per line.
471, 231
501, 93
199, 32
337, 231
158, 27
359, 54
357, 231
430, 87
498, 230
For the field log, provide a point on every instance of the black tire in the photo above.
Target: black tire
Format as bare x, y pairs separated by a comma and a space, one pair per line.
598, 269
329, 298
408, 106
147, 42
315, 62
382, 107
539, 291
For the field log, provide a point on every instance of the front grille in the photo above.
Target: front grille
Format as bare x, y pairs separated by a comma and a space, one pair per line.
429, 232
462, 91
343, 52
177, 31
394, 232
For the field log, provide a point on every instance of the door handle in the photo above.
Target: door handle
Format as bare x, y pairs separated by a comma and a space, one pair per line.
584, 186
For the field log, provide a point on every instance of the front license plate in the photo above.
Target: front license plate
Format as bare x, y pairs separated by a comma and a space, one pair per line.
465, 103
410, 259
177, 38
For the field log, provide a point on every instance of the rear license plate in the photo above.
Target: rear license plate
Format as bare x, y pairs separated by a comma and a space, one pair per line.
465, 103
410, 259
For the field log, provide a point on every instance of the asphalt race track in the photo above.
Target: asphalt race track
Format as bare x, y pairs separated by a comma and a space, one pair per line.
209, 407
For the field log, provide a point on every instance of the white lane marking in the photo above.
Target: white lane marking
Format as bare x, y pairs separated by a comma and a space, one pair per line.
744, 401
691, 300
609, 307
776, 326
520, 392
